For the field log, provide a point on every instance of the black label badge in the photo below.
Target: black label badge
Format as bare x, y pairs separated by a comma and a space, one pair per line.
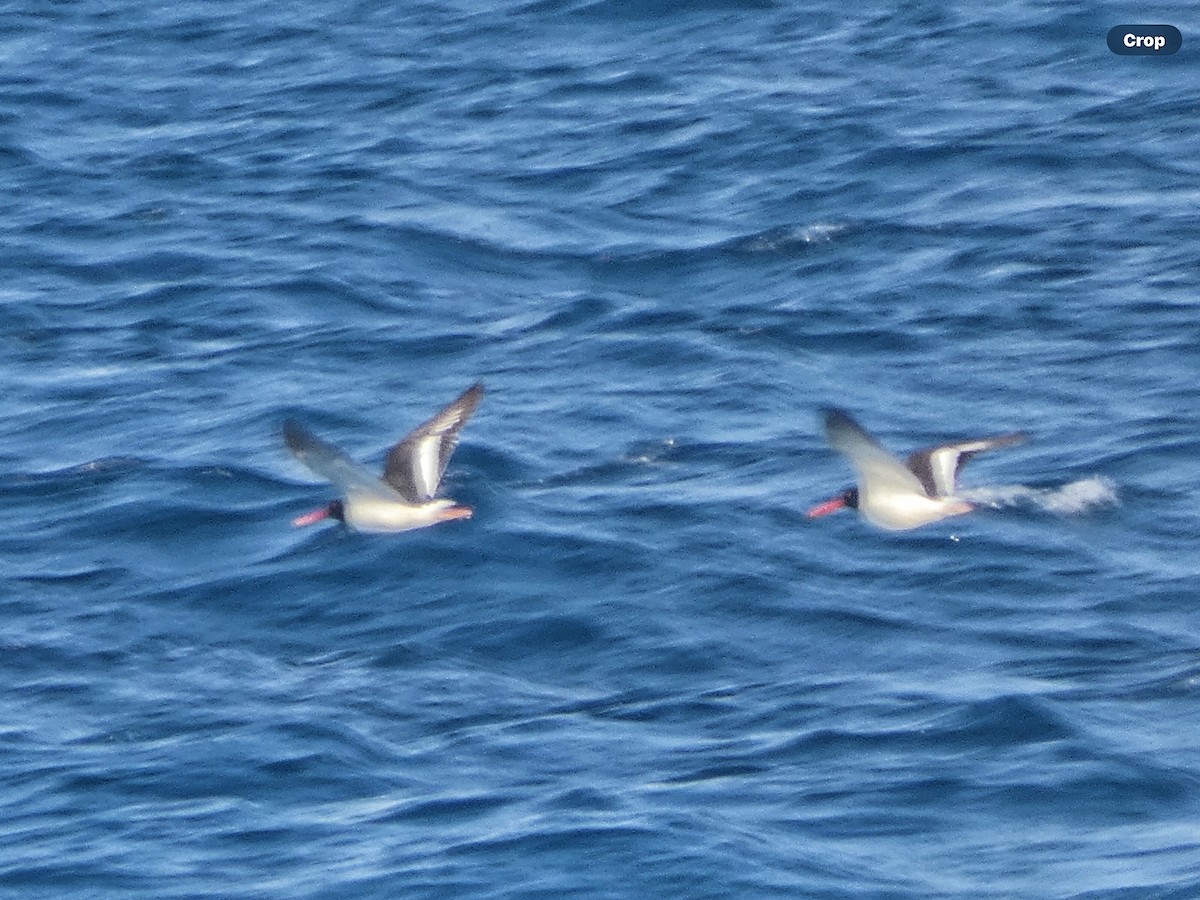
1144, 40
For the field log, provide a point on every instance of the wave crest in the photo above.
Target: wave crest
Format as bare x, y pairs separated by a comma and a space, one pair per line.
1075, 498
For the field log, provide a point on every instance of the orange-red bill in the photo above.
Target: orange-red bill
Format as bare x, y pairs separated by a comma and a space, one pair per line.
311, 518
829, 506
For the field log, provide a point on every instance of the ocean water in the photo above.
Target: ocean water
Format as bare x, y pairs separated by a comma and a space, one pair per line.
663, 235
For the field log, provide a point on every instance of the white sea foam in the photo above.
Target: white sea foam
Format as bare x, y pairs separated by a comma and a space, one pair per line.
1073, 499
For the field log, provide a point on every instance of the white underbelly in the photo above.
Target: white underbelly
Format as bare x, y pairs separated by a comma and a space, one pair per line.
369, 514
899, 512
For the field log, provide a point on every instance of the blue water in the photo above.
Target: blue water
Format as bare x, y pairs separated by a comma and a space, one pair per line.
663, 235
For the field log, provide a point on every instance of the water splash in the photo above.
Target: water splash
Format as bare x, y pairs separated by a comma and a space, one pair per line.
1076, 498
778, 239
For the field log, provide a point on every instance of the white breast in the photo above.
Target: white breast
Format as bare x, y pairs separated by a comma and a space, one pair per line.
899, 512
364, 513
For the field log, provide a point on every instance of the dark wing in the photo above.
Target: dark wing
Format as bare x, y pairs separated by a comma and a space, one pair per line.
415, 465
937, 467
327, 461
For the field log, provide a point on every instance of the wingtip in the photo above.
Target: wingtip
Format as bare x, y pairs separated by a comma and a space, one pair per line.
1007, 440
835, 414
839, 423
293, 433
467, 402
472, 395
